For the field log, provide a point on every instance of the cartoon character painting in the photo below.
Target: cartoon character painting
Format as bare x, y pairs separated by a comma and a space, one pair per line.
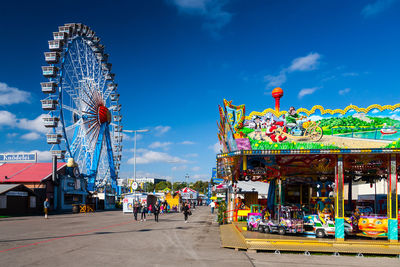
271, 126
253, 220
373, 226
257, 128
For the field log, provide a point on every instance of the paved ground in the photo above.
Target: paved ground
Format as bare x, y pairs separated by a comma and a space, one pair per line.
113, 239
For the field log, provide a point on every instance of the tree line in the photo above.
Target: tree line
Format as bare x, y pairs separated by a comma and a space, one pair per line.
199, 186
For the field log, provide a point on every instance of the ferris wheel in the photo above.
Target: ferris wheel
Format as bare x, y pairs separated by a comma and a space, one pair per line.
82, 104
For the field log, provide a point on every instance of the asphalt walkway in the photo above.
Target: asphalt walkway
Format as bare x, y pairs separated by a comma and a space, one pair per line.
114, 239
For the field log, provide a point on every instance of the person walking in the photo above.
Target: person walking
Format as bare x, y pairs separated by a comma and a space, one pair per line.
156, 211
136, 210
144, 211
186, 211
212, 205
46, 206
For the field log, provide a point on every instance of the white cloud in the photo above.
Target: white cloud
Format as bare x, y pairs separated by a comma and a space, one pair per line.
344, 91
31, 136
131, 137
33, 125
395, 117
7, 118
179, 168
11, 95
307, 91
192, 155
187, 143
277, 80
376, 7
150, 156
12, 135
160, 130
212, 11
204, 177
196, 168
315, 118
216, 147
350, 74
157, 144
374, 111
307, 63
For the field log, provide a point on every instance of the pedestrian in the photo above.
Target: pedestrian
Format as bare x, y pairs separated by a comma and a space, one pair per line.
135, 210
46, 205
144, 211
212, 205
156, 211
186, 211
194, 204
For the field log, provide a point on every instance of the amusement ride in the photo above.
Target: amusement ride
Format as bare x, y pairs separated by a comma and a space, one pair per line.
82, 104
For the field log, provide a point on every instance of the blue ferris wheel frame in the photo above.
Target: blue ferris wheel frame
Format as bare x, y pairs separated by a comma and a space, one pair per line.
103, 138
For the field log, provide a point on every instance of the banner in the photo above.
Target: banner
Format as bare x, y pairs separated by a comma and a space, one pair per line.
16, 157
127, 205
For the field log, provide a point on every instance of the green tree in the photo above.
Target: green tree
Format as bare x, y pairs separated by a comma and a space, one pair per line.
149, 187
179, 186
161, 186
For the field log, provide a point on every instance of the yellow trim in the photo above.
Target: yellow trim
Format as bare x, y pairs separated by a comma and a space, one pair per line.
325, 111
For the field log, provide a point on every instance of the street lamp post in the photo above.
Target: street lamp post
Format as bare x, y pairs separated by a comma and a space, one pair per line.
134, 148
187, 179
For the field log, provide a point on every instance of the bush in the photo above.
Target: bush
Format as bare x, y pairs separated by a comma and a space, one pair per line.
221, 213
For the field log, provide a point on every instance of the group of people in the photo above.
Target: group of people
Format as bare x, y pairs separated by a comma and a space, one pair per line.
143, 209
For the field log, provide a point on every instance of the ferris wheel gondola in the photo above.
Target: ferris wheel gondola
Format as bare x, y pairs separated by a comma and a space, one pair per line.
83, 111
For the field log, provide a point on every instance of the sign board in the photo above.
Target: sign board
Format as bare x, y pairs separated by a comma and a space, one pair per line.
127, 205
134, 186
17, 193
17, 157
120, 182
218, 181
189, 195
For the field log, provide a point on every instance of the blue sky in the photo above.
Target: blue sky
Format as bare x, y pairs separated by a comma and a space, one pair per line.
175, 61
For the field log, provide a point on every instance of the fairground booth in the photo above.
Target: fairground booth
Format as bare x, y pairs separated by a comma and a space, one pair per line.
331, 173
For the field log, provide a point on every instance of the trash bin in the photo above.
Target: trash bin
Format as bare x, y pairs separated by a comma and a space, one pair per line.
75, 208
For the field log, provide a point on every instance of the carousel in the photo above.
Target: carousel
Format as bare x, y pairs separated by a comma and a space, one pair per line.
332, 176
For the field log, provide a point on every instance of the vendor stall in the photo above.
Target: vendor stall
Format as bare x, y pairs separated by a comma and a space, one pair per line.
307, 157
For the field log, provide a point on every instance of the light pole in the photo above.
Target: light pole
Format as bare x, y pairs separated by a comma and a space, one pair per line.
187, 180
134, 148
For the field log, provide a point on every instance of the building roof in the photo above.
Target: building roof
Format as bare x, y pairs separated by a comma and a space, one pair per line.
187, 190
8, 187
27, 172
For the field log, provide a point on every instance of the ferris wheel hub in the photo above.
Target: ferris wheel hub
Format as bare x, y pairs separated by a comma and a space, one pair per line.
104, 114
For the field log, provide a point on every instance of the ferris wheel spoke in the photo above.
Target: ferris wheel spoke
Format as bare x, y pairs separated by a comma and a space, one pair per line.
71, 71
71, 109
74, 69
73, 126
79, 60
75, 145
72, 87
